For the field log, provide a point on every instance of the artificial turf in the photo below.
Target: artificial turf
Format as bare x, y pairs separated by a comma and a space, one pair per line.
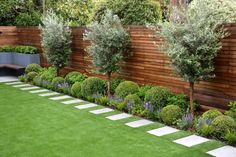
34, 126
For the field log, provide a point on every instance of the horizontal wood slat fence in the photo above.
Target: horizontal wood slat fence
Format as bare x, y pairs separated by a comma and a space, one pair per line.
147, 65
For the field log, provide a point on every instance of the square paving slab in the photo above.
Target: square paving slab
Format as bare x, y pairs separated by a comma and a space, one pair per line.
139, 123
72, 101
60, 97
7, 79
49, 94
22, 85
192, 140
29, 88
163, 131
39, 91
86, 106
13, 83
100, 111
226, 151
119, 116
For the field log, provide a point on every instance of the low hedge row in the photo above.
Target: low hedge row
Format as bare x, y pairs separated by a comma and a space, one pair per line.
19, 49
153, 102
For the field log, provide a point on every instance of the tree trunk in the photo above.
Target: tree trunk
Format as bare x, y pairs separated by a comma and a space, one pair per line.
109, 84
58, 71
191, 97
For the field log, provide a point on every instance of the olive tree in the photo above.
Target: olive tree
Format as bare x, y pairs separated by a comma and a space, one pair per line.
192, 41
56, 40
109, 42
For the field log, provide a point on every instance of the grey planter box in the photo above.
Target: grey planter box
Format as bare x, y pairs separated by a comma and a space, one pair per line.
25, 59
5, 58
19, 58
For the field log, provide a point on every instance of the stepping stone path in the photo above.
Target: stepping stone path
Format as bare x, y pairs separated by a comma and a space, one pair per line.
29, 88
139, 123
49, 94
163, 131
22, 85
13, 83
60, 97
39, 91
119, 116
226, 151
86, 106
101, 111
72, 101
192, 140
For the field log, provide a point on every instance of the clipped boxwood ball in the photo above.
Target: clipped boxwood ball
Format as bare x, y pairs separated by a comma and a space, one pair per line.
158, 96
33, 68
222, 124
76, 89
93, 85
30, 76
211, 114
132, 98
170, 114
75, 76
125, 88
56, 82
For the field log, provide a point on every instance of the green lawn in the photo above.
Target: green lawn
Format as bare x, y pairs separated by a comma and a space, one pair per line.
34, 126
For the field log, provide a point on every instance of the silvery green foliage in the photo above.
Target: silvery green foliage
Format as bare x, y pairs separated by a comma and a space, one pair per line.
223, 9
56, 40
109, 42
193, 41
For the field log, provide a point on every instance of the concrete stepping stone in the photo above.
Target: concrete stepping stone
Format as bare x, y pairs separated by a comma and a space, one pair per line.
60, 97
49, 94
192, 140
4, 79
13, 83
29, 88
86, 106
163, 131
139, 123
39, 91
101, 111
72, 101
225, 151
119, 116
22, 85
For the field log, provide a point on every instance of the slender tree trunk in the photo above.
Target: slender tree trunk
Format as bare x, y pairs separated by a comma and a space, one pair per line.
58, 71
109, 84
191, 96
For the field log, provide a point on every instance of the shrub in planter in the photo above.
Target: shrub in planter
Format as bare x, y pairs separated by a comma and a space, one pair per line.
75, 76
76, 90
211, 114
223, 124
143, 90
93, 85
230, 138
125, 88
158, 96
22, 78
133, 104
180, 100
186, 122
170, 114
33, 68
103, 100
232, 110
115, 83
37, 81
116, 101
57, 84
30, 76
